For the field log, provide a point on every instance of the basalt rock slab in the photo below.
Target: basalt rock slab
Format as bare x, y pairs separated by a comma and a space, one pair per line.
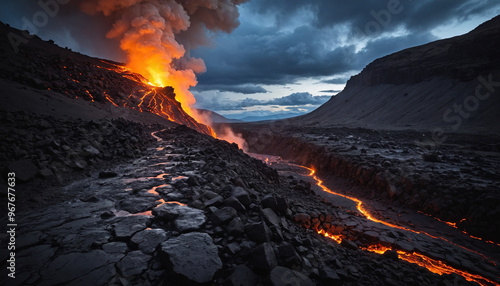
192, 256
133, 264
186, 218
147, 240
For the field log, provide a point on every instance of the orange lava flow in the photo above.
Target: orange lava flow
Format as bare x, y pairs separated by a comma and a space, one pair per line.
359, 203
337, 238
433, 265
454, 225
363, 211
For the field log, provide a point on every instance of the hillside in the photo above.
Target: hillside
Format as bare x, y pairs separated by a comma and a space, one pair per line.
80, 85
432, 85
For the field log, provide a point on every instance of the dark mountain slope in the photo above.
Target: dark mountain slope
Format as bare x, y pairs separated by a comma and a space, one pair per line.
432, 85
62, 73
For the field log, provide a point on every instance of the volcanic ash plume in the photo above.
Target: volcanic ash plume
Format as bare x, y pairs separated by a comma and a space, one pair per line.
158, 34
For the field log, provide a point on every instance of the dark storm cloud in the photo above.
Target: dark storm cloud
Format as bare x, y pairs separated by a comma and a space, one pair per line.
302, 40
415, 15
272, 58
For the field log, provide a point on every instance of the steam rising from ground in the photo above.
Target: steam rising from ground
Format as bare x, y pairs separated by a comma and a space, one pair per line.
157, 36
228, 135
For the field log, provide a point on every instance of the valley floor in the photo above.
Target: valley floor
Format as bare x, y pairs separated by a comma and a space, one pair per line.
192, 209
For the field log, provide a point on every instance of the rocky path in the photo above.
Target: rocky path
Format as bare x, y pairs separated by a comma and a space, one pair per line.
195, 210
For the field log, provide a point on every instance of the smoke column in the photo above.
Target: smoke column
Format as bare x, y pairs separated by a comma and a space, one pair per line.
158, 34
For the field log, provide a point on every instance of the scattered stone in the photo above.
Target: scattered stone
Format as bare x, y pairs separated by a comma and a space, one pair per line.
192, 181
349, 244
24, 169
224, 215
269, 202
264, 258
234, 203
270, 217
329, 276
281, 276
241, 195
258, 232
233, 248
216, 201
287, 253
235, 227
242, 276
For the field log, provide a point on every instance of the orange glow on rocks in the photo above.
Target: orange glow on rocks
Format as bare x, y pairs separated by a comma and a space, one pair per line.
433, 265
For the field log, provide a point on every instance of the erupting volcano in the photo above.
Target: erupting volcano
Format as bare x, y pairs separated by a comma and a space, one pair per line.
158, 35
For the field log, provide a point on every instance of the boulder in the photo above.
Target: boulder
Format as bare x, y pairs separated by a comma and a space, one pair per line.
269, 202
270, 217
147, 240
235, 227
192, 256
241, 195
235, 204
186, 218
224, 215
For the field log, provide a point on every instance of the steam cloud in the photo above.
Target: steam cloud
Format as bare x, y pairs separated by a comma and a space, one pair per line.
157, 36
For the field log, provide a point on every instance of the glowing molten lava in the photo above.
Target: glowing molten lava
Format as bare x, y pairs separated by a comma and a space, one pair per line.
157, 37
433, 265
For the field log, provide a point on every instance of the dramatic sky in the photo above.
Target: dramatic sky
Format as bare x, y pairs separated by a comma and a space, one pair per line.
290, 56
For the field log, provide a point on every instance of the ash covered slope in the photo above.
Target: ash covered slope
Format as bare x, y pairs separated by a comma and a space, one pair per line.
65, 74
432, 85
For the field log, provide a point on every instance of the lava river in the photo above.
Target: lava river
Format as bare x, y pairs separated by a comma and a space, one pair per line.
435, 252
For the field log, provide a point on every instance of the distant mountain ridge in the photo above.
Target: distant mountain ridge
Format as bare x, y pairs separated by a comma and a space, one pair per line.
428, 86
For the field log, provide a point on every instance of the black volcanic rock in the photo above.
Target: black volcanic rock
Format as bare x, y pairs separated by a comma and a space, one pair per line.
462, 57
192, 255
